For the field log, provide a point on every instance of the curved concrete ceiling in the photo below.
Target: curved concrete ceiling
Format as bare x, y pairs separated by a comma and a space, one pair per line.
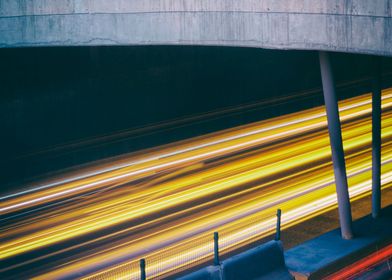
357, 26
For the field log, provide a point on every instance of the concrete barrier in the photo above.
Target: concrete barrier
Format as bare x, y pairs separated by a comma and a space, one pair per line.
262, 262
207, 273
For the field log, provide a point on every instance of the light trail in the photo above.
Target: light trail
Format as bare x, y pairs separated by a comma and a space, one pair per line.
364, 265
165, 203
182, 153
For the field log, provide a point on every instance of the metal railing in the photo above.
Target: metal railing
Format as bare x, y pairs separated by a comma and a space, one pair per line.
202, 250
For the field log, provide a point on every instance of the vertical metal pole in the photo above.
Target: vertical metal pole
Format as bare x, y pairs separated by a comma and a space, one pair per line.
376, 140
335, 136
278, 215
216, 248
142, 269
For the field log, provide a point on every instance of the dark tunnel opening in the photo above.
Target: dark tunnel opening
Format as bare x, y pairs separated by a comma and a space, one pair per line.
67, 106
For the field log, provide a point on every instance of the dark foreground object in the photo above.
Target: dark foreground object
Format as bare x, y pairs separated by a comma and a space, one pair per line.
328, 253
262, 262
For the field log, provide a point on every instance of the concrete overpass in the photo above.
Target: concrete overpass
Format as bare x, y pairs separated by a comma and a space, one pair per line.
357, 26
351, 26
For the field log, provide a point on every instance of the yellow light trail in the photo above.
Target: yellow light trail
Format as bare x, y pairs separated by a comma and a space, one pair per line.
201, 148
168, 201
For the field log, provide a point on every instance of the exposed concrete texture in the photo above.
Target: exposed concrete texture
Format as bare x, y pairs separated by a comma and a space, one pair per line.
262, 262
349, 26
329, 253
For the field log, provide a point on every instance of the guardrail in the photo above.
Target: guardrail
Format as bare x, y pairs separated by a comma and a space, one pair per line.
223, 270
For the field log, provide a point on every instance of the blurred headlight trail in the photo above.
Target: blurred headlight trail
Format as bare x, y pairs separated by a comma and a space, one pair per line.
163, 204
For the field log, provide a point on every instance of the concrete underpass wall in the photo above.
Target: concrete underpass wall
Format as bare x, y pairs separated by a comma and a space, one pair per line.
360, 26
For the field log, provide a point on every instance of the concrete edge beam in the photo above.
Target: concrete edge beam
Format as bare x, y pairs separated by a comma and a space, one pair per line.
11, 8
355, 26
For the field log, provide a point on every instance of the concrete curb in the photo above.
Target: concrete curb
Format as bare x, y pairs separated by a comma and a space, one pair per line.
329, 252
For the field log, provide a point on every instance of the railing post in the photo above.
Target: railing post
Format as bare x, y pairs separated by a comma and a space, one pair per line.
216, 248
278, 216
142, 269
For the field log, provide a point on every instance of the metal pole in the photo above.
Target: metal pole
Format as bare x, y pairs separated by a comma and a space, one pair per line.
376, 140
142, 269
335, 136
278, 215
216, 248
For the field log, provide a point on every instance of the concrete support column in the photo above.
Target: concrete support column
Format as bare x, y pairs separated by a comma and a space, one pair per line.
335, 136
376, 140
